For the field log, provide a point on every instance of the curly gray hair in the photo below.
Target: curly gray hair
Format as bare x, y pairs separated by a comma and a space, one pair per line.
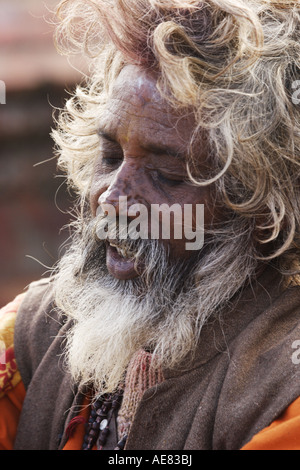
233, 62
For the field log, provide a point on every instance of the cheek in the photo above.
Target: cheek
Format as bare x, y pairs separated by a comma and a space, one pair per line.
190, 197
206, 196
194, 222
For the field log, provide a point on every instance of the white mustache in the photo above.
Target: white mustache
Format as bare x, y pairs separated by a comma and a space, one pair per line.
123, 250
126, 246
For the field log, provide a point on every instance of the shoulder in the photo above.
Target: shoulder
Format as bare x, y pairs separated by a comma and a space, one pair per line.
37, 326
282, 434
39, 337
36, 310
263, 377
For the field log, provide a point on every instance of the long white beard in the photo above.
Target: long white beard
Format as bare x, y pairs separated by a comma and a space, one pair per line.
164, 310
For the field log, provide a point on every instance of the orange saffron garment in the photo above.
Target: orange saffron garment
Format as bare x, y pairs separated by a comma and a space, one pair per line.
12, 391
282, 434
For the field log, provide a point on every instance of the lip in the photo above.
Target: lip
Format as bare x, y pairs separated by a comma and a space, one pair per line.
118, 266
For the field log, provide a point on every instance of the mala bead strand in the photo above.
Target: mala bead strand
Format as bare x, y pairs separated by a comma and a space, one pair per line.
104, 431
99, 420
93, 424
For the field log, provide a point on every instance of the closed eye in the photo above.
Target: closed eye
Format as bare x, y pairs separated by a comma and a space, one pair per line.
112, 161
170, 181
110, 150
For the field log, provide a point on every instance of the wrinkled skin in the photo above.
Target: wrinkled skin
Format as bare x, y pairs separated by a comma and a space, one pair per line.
144, 143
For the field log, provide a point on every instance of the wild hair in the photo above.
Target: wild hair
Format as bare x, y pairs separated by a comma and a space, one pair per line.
233, 62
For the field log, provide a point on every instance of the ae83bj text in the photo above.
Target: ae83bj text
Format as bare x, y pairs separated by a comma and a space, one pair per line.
156, 459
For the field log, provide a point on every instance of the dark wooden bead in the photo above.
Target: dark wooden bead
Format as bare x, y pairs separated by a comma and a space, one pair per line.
121, 443
106, 406
93, 414
103, 436
92, 433
102, 413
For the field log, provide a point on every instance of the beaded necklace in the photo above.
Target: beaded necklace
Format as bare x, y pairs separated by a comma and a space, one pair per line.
139, 378
103, 410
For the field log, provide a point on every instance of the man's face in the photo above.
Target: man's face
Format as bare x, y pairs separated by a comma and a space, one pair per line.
144, 144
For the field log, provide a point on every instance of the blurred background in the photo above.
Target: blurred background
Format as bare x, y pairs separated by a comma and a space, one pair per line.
33, 201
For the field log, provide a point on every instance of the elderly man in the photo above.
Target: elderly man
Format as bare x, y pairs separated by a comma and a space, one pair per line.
147, 341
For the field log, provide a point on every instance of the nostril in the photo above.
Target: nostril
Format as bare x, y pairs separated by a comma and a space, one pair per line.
117, 203
109, 197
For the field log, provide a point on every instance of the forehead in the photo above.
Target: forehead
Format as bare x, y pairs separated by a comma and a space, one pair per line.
139, 84
135, 108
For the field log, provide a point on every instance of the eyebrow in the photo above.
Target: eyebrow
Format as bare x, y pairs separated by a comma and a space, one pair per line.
150, 147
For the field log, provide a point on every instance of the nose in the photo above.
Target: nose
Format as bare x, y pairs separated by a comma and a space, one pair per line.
122, 192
